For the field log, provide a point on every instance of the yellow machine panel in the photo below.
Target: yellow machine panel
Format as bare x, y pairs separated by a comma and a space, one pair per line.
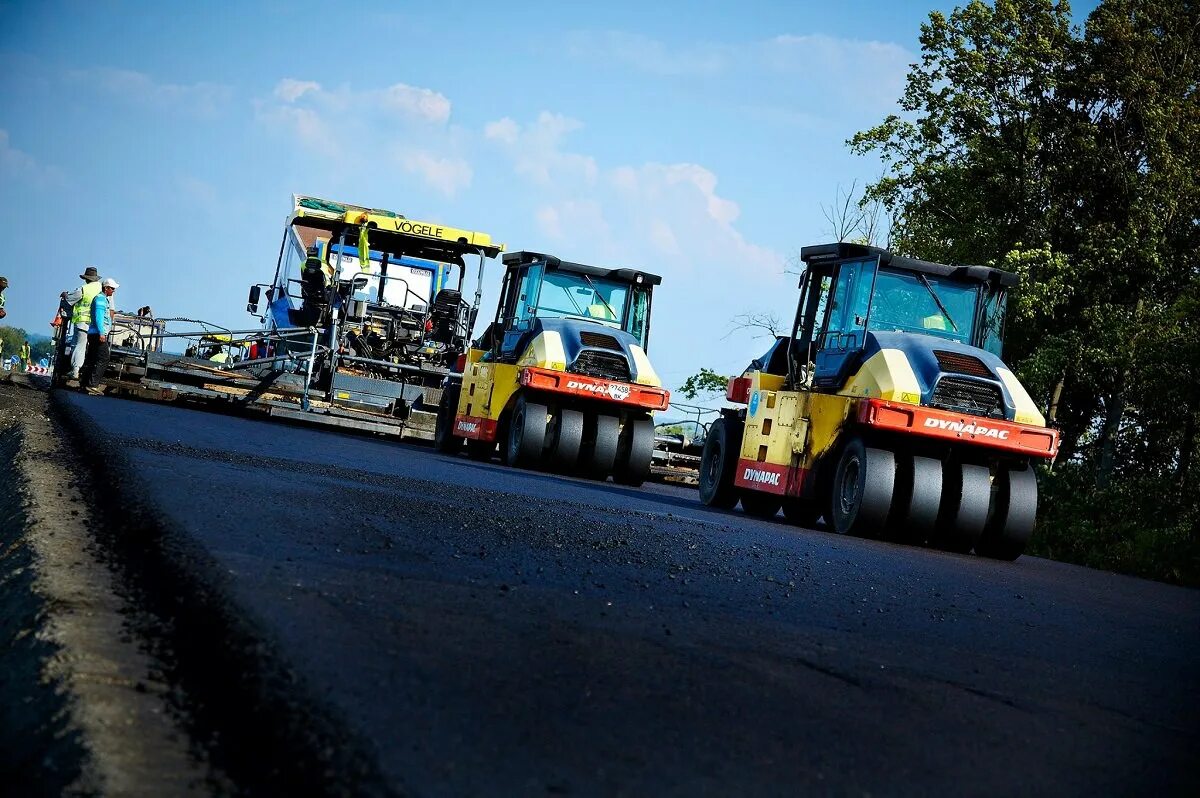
545, 351
886, 375
486, 387
787, 424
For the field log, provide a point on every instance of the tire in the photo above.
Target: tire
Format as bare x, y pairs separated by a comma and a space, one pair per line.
565, 438
758, 504
966, 497
1013, 515
718, 463
801, 512
862, 490
917, 501
444, 439
601, 454
636, 451
526, 434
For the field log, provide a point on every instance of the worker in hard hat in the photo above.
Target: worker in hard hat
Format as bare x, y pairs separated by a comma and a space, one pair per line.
81, 317
95, 363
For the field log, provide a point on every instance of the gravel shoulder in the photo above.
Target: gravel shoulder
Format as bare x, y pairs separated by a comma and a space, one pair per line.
83, 708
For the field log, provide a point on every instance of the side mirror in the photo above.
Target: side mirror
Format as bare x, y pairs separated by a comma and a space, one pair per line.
252, 300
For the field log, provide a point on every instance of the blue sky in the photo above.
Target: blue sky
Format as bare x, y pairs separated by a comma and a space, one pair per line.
699, 140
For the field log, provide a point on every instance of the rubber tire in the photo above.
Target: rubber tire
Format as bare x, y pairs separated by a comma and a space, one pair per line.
863, 485
801, 512
966, 497
444, 439
759, 504
480, 450
601, 454
566, 438
1013, 515
917, 501
526, 434
718, 464
636, 452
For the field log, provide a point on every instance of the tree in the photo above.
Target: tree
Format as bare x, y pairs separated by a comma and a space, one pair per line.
857, 220
705, 383
1071, 158
759, 323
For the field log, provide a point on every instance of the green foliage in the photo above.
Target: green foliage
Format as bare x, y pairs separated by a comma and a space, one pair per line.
705, 383
13, 337
1070, 158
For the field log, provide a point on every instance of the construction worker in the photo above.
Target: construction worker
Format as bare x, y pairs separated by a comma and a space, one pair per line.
26, 359
81, 317
96, 361
3, 287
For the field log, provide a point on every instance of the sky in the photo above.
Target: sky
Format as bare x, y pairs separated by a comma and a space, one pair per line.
697, 140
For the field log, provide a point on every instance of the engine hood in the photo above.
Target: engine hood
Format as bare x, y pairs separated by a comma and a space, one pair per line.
944, 374
589, 348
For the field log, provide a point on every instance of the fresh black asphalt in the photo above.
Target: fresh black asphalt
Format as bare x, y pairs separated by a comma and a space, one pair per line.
478, 630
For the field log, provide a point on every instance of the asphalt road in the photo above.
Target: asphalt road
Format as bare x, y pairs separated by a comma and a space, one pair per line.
478, 630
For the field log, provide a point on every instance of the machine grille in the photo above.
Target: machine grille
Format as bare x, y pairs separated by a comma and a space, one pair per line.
605, 365
599, 340
957, 363
968, 396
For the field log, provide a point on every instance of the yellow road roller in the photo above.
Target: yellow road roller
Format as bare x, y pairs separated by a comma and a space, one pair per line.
887, 411
560, 379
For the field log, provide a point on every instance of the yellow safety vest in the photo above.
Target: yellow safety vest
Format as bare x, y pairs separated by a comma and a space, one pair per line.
935, 322
81, 314
600, 311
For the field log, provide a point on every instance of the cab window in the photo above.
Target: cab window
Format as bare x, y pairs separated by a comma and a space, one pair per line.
849, 304
639, 317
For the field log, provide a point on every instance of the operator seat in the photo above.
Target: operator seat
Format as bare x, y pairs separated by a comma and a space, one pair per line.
444, 315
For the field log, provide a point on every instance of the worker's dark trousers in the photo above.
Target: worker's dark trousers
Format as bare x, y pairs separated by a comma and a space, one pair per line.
95, 362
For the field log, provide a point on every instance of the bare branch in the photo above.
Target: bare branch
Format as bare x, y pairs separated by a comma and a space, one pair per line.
762, 323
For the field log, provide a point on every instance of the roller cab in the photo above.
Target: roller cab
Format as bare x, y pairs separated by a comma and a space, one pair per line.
560, 379
888, 411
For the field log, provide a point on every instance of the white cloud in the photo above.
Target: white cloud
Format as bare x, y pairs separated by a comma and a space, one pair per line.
503, 130
410, 103
623, 213
307, 125
422, 103
352, 126
289, 89
571, 219
537, 152
447, 175
199, 99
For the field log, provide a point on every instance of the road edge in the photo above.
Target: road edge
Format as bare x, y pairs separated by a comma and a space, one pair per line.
260, 725
124, 735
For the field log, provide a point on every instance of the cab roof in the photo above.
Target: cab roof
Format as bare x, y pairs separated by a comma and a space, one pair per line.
512, 259
830, 254
428, 240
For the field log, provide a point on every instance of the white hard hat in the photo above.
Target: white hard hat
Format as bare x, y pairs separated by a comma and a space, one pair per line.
109, 282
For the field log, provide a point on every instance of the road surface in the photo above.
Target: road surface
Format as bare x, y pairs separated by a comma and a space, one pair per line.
421, 624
